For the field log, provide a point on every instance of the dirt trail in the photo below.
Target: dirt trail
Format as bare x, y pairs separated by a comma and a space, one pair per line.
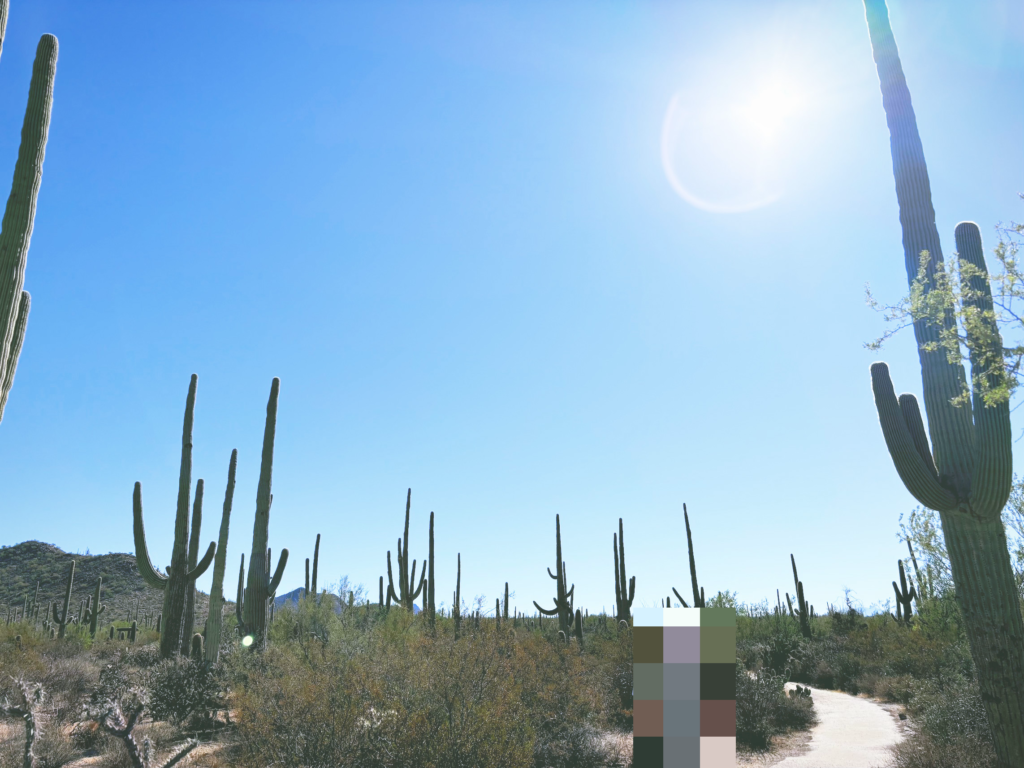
852, 732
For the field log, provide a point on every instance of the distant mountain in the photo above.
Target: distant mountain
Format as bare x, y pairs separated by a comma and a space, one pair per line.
293, 597
25, 564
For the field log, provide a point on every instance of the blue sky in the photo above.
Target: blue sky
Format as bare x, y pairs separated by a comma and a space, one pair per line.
456, 234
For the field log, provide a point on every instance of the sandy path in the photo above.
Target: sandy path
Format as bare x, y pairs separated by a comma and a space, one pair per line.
852, 732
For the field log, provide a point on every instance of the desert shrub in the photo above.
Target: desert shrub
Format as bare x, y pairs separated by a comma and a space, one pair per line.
53, 748
825, 663
67, 682
758, 695
185, 691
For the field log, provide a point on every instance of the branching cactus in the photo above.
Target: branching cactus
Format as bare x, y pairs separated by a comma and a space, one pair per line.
19, 216
215, 616
803, 612
966, 472
406, 594
923, 586
623, 595
903, 597
563, 596
62, 619
698, 592
176, 582
94, 610
260, 585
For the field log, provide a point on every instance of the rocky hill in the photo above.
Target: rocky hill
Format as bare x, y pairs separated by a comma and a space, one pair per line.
25, 565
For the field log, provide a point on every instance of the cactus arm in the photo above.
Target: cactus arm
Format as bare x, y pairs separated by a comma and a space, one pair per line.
915, 425
910, 464
422, 582
552, 575
282, 561
19, 215
993, 440
391, 583
142, 561
17, 340
693, 563
545, 612
680, 598
203, 564
316, 562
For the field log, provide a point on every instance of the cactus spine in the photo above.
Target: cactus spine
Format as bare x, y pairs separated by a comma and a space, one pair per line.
967, 473
698, 592
215, 617
188, 619
563, 596
260, 584
405, 594
623, 596
175, 583
19, 216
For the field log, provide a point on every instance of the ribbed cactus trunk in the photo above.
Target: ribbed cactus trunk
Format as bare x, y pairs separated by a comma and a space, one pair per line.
624, 591
214, 620
188, 618
19, 216
966, 473
175, 583
260, 585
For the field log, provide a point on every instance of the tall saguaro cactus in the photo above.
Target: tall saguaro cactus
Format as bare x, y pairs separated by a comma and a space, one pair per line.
966, 473
61, 620
176, 582
214, 619
698, 592
405, 594
20, 214
260, 584
623, 596
188, 618
563, 595
803, 611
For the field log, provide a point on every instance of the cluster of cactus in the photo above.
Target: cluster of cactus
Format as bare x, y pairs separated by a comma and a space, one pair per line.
698, 592
19, 215
563, 595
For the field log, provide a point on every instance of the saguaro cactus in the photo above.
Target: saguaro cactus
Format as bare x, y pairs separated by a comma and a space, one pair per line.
62, 619
215, 617
405, 594
803, 612
903, 597
698, 592
457, 605
29, 701
176, 582
623, 596
20, 214
563, 596
966, 473
95, 609
188, 618
260, 584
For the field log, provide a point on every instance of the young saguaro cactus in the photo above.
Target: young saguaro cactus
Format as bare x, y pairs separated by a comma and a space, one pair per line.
176, 582
966, 473
903, 597
623, 596
563, 596
62, 619
802, 613
214, 619
698, 592
20, 213
457, 604
405, 594
260, 584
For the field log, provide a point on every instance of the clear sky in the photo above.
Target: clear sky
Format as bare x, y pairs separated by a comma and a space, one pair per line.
593, 259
